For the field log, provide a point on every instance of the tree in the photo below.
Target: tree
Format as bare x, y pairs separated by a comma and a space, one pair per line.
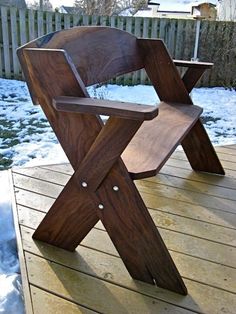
44, 5
108, 7
227, 10
20, 4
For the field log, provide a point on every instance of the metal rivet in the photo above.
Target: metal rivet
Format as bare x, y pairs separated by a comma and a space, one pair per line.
115, 188
100, 206
84, 184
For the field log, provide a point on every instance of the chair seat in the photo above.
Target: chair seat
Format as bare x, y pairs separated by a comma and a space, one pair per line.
157, 139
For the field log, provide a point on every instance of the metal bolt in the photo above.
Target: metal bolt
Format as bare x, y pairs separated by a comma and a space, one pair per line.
115, 188
84, 184
100, 206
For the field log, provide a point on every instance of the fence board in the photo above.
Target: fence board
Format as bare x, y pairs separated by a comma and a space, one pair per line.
179, 47
137, 33
31, 23
85, 20
14, 42
155, 28
40, 23
23, 39
6, 46
67, 21
143, 75
103, 20
171, 37
189, 39
76, 19
113, 21
57, 21
49, 28
162, 30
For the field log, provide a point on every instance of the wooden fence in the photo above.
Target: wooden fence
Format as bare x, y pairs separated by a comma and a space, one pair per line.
217, 41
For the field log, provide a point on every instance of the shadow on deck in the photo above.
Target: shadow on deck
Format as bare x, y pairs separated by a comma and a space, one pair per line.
195, 214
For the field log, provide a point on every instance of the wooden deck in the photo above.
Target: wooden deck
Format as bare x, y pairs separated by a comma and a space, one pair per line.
195, 214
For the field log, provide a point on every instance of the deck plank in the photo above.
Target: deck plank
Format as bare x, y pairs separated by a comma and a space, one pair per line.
48, 303
110, 268
174, 222
91, 292
195, 214
178, 242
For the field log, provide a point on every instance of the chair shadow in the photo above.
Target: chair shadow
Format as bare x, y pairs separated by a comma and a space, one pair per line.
105, 279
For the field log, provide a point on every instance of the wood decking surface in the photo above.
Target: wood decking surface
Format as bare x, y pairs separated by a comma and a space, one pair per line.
195, 214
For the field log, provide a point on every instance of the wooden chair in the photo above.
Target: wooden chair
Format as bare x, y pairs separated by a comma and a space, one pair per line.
135, 142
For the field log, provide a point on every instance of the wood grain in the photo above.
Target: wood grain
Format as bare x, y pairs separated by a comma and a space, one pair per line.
144, 158
133, 232
105, 107
200, 151
105, 151
114, 60
113, 270
162, 72
191, 77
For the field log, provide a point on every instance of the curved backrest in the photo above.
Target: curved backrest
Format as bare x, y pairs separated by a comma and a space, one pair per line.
98, 53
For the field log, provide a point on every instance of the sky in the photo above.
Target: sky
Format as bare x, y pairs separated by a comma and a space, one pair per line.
57, 3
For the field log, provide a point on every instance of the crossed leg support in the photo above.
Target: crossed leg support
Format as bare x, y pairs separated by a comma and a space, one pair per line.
110, 195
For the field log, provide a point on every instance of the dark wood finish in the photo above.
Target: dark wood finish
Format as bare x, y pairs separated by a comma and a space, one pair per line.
69, 129
162, 72
59, 77
70, 218
133, 232
193, 64
105, 107
191, 77
200, 152
106, 150
196, 144
101, 186
83, 43
144, 158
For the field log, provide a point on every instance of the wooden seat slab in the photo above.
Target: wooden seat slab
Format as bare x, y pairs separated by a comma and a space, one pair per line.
156, 140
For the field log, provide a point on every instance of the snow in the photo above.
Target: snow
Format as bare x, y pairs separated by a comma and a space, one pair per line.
26, 139
11, 299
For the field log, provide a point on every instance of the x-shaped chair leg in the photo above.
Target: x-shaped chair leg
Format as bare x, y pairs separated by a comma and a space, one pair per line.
171, 88
101, 188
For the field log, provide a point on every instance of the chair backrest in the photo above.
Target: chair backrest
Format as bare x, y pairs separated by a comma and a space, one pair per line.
64, 63
98, 53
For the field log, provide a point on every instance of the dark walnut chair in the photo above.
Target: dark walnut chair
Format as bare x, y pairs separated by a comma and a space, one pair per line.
134, 143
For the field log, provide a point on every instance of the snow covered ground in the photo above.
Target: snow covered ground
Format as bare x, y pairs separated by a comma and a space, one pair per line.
10, 282
27, 139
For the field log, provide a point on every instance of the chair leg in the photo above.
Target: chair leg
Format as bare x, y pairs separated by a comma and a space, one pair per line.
132, 231
200, 152
69, 220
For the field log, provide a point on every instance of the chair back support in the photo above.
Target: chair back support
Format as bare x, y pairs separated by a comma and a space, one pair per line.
98, 53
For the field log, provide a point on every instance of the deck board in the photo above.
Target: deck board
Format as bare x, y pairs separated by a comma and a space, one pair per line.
195, 214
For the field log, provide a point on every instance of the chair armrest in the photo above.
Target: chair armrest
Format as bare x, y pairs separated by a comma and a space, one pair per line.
193, 64
105, 107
